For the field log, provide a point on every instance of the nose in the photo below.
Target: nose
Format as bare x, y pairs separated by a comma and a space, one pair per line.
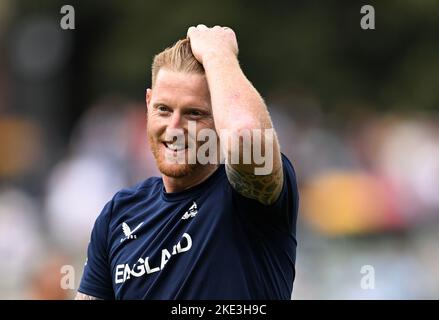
175, 126
176, 121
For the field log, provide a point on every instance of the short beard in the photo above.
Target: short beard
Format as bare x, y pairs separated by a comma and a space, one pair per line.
173, 170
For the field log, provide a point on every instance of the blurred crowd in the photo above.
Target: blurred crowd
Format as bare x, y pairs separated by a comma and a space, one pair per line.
107, 151
368, 189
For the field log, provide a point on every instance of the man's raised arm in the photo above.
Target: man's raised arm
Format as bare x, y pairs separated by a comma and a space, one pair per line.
239, 110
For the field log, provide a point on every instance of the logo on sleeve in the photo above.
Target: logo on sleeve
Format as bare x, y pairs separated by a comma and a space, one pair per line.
192, 212
129, 234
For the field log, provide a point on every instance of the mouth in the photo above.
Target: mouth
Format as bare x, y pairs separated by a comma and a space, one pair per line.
175, 147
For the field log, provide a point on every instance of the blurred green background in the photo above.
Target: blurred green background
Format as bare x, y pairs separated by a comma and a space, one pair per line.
356, 111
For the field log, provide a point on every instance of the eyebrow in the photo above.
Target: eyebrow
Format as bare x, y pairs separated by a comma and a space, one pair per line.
195, 108
156, 104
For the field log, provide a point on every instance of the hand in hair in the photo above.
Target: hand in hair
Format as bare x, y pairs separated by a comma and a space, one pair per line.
213, 42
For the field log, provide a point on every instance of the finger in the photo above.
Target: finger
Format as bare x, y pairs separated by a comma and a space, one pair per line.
217, 27
202, 27
190, 31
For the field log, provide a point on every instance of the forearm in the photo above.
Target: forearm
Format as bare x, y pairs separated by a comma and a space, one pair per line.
236, 104
238, 112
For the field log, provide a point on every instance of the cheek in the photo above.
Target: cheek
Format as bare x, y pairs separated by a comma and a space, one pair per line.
154, 127
149, 129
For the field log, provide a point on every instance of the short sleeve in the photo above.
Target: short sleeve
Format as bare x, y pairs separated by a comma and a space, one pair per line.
96, 280
283, 212
287, 205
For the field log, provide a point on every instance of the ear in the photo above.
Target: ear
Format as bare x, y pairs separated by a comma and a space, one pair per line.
148, 97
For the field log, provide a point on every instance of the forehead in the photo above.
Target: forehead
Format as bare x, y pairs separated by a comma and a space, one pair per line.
180, 88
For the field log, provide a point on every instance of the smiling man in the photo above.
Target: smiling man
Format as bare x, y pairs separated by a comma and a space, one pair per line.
202, 230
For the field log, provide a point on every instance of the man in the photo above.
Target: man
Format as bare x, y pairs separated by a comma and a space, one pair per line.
203, 230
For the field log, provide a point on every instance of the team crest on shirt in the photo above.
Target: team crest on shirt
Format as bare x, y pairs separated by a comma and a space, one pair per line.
192, 212
129, 234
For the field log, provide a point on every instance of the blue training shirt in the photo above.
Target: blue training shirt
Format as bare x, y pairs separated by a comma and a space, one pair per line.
206, 242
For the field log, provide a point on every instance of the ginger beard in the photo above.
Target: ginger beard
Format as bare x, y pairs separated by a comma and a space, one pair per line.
165, 165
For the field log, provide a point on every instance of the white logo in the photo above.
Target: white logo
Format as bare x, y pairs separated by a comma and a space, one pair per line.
192, 212
128, 233
143, 266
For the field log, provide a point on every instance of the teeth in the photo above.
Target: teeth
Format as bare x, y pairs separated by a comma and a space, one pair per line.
176, 147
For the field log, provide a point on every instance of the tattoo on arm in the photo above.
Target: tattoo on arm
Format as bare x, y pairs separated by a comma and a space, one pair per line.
81, 296
265, 189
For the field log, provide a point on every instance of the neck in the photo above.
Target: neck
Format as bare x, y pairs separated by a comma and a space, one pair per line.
179, 184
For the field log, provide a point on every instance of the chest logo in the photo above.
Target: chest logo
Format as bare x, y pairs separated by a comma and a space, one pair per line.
192, 212
129, 234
